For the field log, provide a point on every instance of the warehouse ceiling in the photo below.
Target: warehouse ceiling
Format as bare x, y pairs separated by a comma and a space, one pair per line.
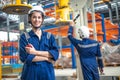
13, 20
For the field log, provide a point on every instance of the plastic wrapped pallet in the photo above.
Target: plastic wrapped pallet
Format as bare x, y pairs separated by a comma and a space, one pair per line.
111, 54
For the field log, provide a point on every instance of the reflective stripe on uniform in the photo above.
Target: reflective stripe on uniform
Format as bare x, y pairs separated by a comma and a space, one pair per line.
69, 34
99, 57
48, 35
88, 45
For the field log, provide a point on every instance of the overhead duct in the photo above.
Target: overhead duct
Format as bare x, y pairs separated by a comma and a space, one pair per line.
104, 7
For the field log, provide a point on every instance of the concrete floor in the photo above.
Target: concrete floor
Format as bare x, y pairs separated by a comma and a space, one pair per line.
110, 73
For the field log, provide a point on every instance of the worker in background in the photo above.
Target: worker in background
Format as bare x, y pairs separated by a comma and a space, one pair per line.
37, 49
89, 53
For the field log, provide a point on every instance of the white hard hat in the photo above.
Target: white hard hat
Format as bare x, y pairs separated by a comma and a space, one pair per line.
36, 8
83, 32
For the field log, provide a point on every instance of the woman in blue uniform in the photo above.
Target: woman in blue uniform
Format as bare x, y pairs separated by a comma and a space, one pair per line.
89, 51
37, 49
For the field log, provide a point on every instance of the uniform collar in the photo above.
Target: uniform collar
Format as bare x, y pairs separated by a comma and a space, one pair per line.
33, 34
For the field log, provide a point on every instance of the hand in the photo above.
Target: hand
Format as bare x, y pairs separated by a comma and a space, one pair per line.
50, 60
101, 71
29, 45
72, 23
30, 49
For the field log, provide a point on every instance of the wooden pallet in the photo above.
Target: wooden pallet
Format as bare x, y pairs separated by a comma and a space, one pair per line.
112, 64
9, 76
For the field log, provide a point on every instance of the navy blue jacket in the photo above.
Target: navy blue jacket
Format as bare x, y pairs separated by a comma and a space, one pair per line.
88, 51
41, 70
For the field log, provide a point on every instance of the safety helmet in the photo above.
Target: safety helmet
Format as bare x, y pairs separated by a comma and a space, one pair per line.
36, 8
83, 32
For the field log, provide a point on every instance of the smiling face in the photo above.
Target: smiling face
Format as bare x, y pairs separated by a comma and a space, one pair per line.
36, 19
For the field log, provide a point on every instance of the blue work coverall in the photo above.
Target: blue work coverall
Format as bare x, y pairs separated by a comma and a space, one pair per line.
42, 70
88, 51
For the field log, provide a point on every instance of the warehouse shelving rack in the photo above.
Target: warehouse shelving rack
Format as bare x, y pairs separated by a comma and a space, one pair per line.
10, 63
105, 29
